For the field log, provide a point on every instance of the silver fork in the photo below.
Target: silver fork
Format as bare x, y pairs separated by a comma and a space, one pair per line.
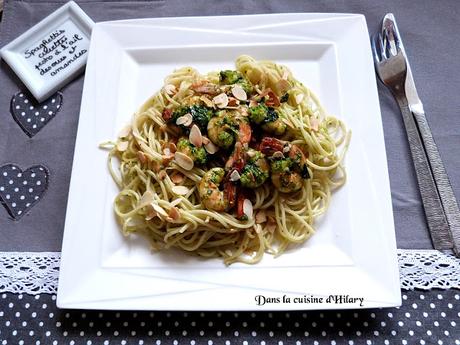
390, 63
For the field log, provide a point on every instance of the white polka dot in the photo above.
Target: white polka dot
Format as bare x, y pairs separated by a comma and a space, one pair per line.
21, 95
8, 196
2, 188
17, 107
436, 323
34, 126
26, 101
50, 113
24, 183
19, 212
418, 323
31, 190
446, 333
39, 183
411, 333
22, 197
32, 175
10, 181
28, 119
432, 306
31, 107
53, 100
23, 114
28, 204
443, 314
37, 113
414, 305
45, 107
42, 119
5, 173
428, 332
16, 189
13, 204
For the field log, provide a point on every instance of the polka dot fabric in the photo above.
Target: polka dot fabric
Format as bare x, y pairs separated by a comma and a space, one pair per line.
31, 115
428, 317
20, 190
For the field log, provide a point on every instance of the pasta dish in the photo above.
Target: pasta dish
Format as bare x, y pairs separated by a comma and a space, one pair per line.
232, 164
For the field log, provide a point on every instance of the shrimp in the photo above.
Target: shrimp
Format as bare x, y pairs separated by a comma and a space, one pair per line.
211, 196
288, 164
256, 170
227, 128
197, 154
268, 118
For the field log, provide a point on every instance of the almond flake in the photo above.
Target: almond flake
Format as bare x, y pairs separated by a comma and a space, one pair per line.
314, 124
247, 208
170, 89
207, 101
146, 199
221, 101
235, 176
180, 190
287, 148
299, 98
239, 93
195, 136
142, 157
184, 120
211, 148
160, 210
184, 161
174, 213
261, 217
278, 154
205, 140
162, 175
151, 213
125, 131
285, 75
177, 178
122, 146
282, 85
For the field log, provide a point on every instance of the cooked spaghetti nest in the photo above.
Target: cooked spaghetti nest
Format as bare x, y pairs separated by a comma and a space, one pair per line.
231, 164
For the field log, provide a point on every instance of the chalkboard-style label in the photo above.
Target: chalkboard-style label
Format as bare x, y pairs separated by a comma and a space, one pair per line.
49, 55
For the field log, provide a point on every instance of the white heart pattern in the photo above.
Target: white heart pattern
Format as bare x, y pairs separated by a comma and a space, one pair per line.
31, 115
20, 190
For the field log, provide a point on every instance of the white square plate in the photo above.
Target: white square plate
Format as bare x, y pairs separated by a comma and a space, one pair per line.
353, 252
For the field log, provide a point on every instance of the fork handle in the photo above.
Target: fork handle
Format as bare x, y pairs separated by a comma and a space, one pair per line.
446, 193
434, 212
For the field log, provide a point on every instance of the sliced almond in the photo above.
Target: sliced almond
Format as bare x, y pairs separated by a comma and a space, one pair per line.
177, 178
184, 161
211, 148
299, 98
122, 146
278, 155
125, 131
285, 75
146, 199
142, 157
207, 101
271, 226
151, 213
251, 153
287, 148
162, 174
314, 124
174, 213
232, 102
160, 210
170, 89
239, 93
261, 217
156, 166
205, 140
282, 86
184, 120
195, 136
252, 103
235, 176
180, 190
221, 101
247, 208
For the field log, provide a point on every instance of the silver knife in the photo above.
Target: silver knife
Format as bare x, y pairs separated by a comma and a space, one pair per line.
447, 196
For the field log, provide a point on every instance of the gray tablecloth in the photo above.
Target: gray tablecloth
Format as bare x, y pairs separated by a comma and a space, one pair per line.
429, 30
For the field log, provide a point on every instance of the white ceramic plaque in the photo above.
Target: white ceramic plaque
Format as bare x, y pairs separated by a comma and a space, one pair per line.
51, 53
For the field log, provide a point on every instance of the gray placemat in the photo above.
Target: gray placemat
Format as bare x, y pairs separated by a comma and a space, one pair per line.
427, 29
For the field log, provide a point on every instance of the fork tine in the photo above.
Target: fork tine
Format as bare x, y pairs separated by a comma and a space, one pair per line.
383, 52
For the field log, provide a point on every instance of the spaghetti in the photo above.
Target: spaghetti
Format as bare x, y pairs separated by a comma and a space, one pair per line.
232, 164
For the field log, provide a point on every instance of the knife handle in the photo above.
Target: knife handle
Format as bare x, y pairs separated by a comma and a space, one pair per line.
441, 179
434, 212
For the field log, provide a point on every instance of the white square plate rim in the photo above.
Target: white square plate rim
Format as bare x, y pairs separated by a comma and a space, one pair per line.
64, 297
